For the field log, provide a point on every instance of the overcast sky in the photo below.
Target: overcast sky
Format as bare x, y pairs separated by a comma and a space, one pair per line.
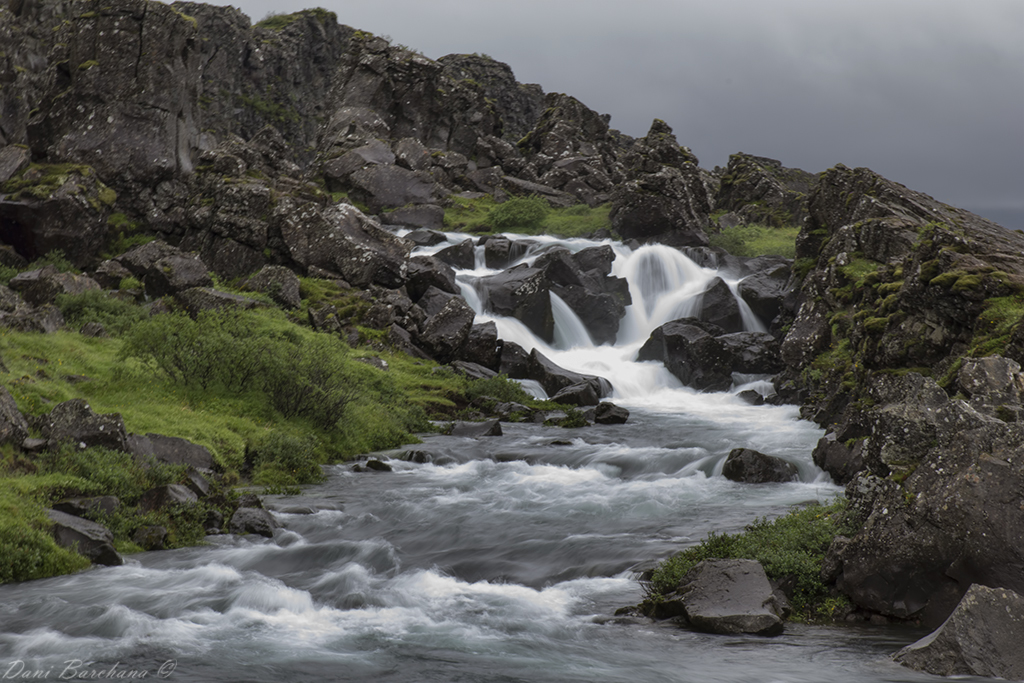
929, 93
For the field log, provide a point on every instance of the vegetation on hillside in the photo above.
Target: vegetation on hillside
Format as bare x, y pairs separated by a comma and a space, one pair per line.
757, 240
525, 215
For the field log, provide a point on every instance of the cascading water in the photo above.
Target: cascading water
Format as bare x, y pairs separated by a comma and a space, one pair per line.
502, 559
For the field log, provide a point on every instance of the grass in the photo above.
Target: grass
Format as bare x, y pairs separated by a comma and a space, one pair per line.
757, 240
525, 215
792, 546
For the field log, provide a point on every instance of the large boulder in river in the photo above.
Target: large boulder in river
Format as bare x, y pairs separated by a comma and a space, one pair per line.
461, 255
445, 332
752, 352
522, 292
753, 467
718, 306
555, 378
729, 597
597, 298
690, 351
982, 637
426, 271
765, 291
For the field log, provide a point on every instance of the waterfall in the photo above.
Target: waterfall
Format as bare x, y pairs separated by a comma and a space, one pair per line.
570, 332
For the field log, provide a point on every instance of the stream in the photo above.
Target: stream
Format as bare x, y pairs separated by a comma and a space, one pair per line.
503, 562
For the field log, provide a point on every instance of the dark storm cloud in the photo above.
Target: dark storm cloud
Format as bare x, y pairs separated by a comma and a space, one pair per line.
929, 93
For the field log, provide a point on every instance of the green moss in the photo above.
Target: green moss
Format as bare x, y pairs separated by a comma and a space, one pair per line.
86, 65
484, 215
757, 240
790, 546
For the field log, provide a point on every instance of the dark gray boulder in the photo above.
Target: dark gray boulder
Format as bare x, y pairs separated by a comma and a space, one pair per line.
433, 300
765, 291
515, 361
279, 283
200, 299
150, 537
13, 425
427, 271
74, 421
501, 252
752, 467
176, 273
483, 346
85, 537
138, 260
427, 217
388, 187
522, 292
170, 450
472, 370
426, 238
610, 414
580, 394
476, 429
461, 255
445, 332
81, 506
45, 319
165, 496
41, 286
690, 351
982, 637
718, 306
251, 520
842, 461
729, 597
554, 377
752, 352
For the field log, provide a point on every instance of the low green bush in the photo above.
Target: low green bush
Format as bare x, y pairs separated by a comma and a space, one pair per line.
116, 315
519, 212
792, 546
282, 459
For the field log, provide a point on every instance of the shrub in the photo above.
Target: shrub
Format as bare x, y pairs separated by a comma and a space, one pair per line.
500, 387
280, 459
519, 212
791, 546
311, 379
116, 315
756, 240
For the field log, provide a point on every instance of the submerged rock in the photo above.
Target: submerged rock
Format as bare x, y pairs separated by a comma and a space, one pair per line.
752, 467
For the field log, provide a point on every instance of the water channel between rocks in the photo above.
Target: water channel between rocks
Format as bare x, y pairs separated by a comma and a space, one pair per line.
503, 564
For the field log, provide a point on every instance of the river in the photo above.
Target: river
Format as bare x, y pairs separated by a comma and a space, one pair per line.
504, 561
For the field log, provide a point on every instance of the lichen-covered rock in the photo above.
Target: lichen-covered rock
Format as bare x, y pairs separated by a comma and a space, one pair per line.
761, 191
43, 285
74, 421
171, 450
199, 299
690, 351
13, 425
982, 637
176, 273
445, 332
279, 283
522, 292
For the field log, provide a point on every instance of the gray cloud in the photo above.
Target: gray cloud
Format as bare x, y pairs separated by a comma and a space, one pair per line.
929, 93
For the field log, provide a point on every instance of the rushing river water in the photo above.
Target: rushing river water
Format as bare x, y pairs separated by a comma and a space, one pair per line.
502, 564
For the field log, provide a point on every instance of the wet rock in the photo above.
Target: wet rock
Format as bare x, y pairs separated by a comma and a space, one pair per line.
522, 292
765, 291
165, 496
279, 283
982, 637
74, 421
840, 460
85, 537
554, 377
377, 465
476, 429
718, 306
610, 414
13, 425
429, 218
690, 351
426, 238
752, 397
249, 520
730, 596
501, 252
752, 467
515, 361
580, 394
461, 255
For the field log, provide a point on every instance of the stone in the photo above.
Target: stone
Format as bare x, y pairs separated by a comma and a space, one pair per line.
150, 537
81, 506
173, 274
429, 218
461, 256
85, 537
752, 467
554, 378
752, 352
610, 414
42, 286
200, 299
279, 283
426, 271
140, 259
45, 319
729, 597
165, 496
765, 291
13, 425
74, 421
581, 394
690, 351
501, 252
982, 637
482, 346
842, 462
522, 292
426, 238
93, 329
718, 306
760, 190
378, 465
13, 160
445, 332
250, 520
476, 429
388, 187
472, 370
